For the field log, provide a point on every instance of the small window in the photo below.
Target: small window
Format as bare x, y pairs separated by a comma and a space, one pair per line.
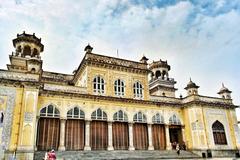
158, 118
120, 116
139, 117
99, 115
138, 90
98, 85
119, 87
49, 111
174, 120
75, 113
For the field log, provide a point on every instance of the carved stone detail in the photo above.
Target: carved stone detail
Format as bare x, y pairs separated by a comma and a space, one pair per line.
61, 88
8, 118
19, 76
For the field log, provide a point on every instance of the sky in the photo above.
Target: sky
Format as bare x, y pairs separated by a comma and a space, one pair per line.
199, 39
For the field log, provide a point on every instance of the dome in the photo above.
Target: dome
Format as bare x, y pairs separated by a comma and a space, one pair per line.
88, 47
224, 90
191, 85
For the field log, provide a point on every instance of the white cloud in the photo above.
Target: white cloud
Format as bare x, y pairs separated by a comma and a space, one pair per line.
202, 43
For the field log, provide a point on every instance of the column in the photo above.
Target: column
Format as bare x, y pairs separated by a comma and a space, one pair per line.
150, 146
62, 135
130, 132
168, 143
87, 136
110, 142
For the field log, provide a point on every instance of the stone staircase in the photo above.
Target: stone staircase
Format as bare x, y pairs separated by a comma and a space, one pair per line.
120, 155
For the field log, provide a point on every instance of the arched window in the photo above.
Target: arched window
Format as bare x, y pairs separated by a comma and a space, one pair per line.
219, 133
120, 116
1, 117
158, 118
75, 113
174, 120
99, 115
98, 85
139, 117
119, 87
27, 50
49, 111
138, 90
35, 52
158, 74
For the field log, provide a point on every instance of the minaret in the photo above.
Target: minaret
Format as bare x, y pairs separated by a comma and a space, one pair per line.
224, 92
26, 57
192, 88
160, 84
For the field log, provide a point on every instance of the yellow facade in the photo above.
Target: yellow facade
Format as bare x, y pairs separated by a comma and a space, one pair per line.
25, 94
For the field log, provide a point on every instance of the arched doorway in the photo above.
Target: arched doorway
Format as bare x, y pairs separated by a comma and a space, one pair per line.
74, 131
175, 131
219, 133
48, 128
120, 131
140, 132
99, 130
158, 132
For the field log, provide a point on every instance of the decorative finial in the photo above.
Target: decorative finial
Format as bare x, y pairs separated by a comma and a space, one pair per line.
190, 79
223, 85
34, 34
23, 32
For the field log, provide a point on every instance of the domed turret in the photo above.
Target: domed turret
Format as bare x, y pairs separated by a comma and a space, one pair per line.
88, 49
144, 59
28, 45
224, 92
26, 57
192, 88
160, 69
160, 83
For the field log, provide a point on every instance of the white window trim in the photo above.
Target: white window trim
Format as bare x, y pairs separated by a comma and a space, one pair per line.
136, 89
116, 92
100, 91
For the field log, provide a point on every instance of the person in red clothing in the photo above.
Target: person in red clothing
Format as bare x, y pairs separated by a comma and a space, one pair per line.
52, 155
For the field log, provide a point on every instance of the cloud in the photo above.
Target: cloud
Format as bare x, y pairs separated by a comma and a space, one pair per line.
200, 39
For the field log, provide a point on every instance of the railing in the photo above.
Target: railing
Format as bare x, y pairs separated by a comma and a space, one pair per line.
206, 99
65, 88
18, 76
165, 99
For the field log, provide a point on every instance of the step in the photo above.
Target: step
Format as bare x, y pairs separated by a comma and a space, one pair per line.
113, 155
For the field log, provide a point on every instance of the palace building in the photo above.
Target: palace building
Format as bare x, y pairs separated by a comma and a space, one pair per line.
107, 103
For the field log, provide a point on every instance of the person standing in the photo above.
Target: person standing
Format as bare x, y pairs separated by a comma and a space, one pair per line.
52, 155
178, 149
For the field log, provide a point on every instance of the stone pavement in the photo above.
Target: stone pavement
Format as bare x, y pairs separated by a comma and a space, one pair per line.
120, 155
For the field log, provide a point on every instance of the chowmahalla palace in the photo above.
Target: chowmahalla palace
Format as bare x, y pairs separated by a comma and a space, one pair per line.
107, 103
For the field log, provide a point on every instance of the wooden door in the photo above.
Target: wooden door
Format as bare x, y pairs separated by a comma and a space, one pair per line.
140, 136
120, 135
99, 135
74, 134
158, 137
48, 133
